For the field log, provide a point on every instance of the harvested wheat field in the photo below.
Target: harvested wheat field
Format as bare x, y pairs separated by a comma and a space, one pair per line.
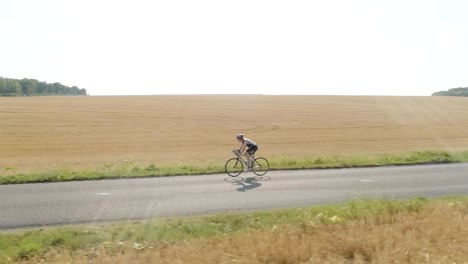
40, 132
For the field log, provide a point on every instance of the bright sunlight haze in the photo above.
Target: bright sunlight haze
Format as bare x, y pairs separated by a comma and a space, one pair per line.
144, 47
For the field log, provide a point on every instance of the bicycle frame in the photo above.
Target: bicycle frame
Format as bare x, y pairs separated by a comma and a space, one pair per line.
241, 157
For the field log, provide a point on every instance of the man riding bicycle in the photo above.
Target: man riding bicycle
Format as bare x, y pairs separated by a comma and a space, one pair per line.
248, 148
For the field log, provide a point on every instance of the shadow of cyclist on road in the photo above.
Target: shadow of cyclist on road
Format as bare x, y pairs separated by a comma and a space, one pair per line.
248, 184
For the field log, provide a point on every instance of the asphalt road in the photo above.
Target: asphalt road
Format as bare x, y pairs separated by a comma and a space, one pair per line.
31, 205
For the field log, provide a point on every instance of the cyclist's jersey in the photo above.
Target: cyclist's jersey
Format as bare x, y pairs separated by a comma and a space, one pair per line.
249, 143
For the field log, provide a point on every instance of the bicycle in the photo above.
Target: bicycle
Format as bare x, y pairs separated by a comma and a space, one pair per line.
235, 166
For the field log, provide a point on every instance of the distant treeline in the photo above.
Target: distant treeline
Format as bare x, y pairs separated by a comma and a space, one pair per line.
31, 87
461, 91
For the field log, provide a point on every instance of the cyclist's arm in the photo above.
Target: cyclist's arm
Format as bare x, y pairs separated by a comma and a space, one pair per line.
242, 148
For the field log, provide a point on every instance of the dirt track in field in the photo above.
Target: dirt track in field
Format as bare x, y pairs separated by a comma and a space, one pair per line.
86, 131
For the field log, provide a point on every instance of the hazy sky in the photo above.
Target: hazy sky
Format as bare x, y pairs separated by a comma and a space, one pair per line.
343, 47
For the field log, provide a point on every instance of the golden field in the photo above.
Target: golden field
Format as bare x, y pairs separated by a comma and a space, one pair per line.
41, 132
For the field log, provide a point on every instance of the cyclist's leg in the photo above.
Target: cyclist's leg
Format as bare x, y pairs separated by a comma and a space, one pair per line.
250, 155
248, 159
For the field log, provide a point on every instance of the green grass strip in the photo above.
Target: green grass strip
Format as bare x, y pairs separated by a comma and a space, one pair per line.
130, 169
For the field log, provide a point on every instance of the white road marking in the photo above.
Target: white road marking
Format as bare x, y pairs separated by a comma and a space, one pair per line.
366, 180
103, 193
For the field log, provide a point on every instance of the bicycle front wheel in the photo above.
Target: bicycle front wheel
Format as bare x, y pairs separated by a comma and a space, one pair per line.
234, 167
260, 166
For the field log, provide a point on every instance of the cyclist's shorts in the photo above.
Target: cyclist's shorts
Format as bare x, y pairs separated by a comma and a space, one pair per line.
252, 149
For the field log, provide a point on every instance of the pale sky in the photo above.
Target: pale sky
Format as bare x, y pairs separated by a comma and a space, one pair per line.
335, 47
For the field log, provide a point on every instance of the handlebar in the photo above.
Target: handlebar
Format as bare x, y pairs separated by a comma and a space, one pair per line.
235, 151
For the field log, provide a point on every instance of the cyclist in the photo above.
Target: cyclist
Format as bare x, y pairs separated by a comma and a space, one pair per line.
248, 148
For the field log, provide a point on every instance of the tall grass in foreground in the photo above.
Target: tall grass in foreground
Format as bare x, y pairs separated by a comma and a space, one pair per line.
364, 231
128, 169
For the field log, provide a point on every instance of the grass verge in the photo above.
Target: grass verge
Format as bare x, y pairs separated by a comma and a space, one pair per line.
375, 231
129, 169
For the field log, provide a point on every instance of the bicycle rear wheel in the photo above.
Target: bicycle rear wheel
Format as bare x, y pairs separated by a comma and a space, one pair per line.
260, 166
234, 167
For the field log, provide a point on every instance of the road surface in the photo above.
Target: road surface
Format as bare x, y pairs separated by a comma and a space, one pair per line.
33, 205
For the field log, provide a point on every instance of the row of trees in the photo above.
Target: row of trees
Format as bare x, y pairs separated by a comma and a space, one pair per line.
31, 87
461, 91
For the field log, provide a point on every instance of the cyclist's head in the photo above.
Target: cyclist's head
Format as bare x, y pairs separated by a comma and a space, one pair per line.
240, 136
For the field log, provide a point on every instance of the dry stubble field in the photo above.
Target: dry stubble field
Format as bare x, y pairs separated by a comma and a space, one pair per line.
42, 132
